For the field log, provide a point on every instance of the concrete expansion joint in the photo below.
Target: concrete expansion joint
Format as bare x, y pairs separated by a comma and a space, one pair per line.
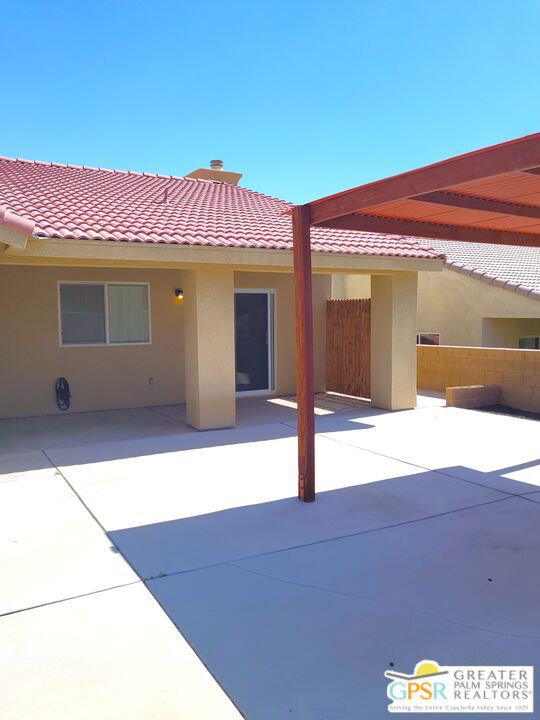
176, 421
324, 541
420, 467
68, 599
85, 506
94, 517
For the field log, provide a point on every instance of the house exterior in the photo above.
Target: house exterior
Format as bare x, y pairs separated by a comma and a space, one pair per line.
144, 290
486, 296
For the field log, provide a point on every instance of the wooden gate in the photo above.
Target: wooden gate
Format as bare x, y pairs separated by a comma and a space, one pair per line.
348, 347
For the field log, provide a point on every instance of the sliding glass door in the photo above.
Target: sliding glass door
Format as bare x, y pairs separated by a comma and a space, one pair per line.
254, 338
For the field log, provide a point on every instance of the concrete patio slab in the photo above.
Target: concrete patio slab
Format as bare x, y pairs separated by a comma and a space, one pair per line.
48, 431
51, 548
484, 581
497, 451
420, 544
533, 496
250, 411
177, 477
239, 475
309, 632
201, 540
92, 428
173, 460
15, 464
113, 656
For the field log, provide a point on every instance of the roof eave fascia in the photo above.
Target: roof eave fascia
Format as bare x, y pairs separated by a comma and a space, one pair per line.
163, 254
14, 229
14, 241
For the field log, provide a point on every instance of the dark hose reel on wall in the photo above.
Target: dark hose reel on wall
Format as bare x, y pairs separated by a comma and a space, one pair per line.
63, 394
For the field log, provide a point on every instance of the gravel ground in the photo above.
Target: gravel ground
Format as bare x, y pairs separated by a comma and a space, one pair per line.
503, 410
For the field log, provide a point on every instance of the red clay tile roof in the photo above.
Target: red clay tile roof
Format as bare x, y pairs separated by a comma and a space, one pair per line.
507, 266
65, 201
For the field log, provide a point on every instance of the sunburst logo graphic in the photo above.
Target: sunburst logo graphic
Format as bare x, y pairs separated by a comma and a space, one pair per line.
422, 670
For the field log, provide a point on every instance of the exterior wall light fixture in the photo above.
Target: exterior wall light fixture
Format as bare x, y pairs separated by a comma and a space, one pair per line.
179, 294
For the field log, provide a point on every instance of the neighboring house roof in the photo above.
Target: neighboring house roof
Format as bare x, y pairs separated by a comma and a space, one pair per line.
508, 266
65, 201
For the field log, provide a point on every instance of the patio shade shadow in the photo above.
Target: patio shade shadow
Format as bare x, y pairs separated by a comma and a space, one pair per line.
193, 542
297, 609
185, 439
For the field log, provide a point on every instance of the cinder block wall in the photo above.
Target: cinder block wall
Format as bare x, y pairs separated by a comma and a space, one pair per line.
516, 371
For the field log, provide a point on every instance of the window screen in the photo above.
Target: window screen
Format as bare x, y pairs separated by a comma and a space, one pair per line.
428, 339
128, 313
82, 314
529, 343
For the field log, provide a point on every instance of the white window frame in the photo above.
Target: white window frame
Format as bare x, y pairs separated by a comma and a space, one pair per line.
272, 321
104, 284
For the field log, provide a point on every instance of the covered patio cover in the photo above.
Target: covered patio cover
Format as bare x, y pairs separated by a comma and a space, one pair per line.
490, 195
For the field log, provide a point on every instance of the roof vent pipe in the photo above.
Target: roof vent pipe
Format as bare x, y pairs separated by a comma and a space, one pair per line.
216, 173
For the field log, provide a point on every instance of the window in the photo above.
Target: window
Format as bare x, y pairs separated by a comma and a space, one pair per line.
428, 339
104, 313
128, 313
529, 343
82, 310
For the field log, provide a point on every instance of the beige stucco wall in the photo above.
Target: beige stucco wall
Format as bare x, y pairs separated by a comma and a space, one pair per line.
283, 284
100, 377
505, 333
351, 287
209, 338
455, 305
393, 341
108, 377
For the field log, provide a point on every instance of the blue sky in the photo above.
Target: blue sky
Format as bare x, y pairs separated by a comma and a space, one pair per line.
304, 98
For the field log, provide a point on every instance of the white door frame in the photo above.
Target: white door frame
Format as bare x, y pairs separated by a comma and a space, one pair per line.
271, 324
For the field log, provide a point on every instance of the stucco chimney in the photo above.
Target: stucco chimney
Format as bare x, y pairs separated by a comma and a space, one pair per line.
216, 173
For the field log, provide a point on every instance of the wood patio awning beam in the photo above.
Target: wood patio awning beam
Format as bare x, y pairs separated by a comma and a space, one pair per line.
470, 202
419, 228
486, 180
515, 156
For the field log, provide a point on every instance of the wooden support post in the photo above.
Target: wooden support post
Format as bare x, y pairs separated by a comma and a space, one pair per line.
304, 353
